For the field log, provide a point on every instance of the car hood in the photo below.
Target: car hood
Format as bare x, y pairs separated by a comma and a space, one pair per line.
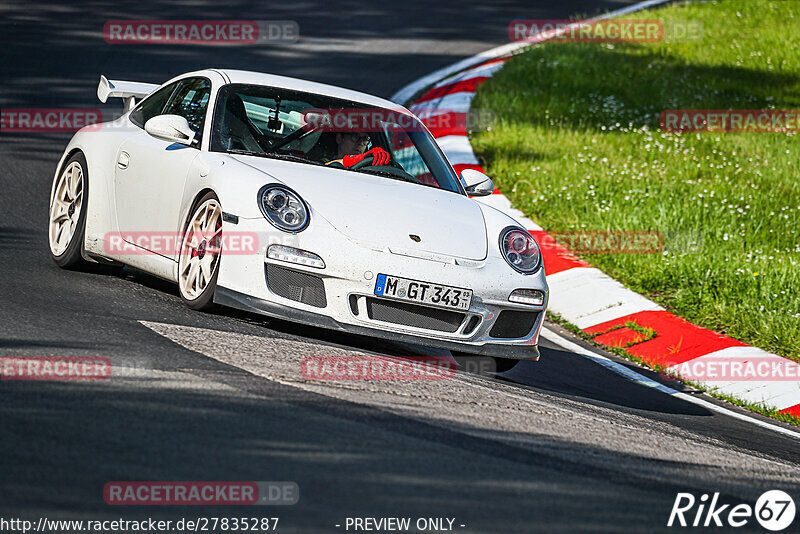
380, 212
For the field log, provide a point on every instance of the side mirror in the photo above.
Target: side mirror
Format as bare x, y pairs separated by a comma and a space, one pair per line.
476, 183
170, 128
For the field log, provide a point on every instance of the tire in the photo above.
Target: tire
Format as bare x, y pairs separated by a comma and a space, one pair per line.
200, 254
483, 365
67, 215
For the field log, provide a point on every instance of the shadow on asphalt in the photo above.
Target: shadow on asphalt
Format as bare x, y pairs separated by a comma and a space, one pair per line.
261, 430
559, 372
566, 373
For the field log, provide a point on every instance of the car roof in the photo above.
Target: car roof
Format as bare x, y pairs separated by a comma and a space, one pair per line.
273, 80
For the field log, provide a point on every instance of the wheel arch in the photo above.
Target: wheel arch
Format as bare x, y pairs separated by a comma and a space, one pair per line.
193, 205
68, 154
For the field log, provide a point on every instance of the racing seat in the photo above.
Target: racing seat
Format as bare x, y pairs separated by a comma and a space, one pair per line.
236, 131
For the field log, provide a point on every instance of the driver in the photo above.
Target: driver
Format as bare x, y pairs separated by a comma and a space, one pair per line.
351, 150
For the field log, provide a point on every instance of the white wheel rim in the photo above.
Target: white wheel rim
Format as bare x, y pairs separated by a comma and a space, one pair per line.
66, 208
200, 249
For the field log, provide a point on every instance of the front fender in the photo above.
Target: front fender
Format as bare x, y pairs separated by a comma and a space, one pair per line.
235, 184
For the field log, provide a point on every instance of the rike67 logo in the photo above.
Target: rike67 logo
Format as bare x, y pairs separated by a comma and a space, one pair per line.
774, 510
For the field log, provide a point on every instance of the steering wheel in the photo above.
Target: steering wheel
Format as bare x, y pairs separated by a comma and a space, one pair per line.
366, 162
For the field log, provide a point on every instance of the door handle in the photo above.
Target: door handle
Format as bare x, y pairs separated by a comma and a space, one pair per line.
123, 160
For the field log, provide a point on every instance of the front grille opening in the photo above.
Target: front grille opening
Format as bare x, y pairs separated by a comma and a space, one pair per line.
297, 286
354, 304
413, 315
472, 324
512, 324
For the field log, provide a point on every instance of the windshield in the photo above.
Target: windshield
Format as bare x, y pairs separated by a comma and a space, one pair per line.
320, 130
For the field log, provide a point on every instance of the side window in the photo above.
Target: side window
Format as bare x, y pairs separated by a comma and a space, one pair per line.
190, 101
405, 153
152, 105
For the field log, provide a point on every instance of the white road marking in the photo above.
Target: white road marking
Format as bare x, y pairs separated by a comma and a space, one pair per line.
780, 394
609, 299
633, 376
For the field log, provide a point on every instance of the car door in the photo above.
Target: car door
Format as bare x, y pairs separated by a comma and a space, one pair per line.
151, 173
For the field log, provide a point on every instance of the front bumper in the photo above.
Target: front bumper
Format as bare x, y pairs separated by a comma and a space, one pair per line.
234, 299
349, 280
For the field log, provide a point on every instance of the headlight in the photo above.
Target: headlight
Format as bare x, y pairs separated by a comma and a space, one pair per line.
283, 208
520, 249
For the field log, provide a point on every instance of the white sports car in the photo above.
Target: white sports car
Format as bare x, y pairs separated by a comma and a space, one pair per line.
301, 201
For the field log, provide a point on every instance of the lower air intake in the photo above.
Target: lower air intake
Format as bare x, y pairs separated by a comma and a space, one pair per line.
512, 324
297, 286
413, 315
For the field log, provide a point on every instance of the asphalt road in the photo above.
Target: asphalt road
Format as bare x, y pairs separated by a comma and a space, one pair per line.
558, 445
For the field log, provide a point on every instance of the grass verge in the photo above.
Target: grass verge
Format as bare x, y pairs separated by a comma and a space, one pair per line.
576, 146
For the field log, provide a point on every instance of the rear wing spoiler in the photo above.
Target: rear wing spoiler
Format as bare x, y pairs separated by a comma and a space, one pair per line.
128, 91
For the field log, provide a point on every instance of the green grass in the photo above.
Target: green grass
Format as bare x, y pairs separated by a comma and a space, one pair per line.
576, 146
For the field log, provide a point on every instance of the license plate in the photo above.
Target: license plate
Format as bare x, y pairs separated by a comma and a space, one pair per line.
394, 287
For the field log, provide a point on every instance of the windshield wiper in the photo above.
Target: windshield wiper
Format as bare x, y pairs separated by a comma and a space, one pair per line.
272, 155
389, 175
